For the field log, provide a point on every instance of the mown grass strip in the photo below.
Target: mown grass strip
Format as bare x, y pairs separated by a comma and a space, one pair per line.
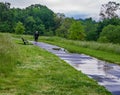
42, 73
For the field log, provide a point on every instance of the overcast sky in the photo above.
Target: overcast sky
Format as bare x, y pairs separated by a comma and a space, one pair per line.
75, 8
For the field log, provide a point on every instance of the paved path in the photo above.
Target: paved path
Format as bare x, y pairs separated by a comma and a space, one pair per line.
106, 74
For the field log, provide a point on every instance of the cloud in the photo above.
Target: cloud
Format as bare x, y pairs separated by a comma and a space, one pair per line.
82, 8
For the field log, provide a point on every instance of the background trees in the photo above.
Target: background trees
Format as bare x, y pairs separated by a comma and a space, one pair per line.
110, 33
35, 18
63, 29
76, 31
108, 16
90, 27
104, 23
6, 18
40, 18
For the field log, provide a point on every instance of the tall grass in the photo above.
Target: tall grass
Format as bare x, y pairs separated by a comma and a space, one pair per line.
108, 47
8, 55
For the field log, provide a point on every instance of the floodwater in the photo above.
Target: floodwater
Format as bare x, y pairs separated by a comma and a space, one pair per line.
107, 74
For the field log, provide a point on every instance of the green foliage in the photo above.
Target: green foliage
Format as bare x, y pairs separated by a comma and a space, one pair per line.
106, 22
58, 19
63, 29
29, 21
103, 39
110, 34
6, 18
76, 31
32, 18
5, 27
90, 29
39, 16
19, 29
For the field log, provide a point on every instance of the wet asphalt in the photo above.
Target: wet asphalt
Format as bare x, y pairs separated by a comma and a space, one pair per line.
106, 74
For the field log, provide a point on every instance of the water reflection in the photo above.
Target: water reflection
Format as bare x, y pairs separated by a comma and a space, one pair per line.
105, 73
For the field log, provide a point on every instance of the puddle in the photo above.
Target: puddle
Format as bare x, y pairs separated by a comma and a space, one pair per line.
105, 73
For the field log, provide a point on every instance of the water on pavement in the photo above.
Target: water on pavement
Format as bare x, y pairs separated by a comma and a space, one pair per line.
105, 73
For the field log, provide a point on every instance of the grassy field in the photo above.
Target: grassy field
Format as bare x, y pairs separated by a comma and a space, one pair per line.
35, 71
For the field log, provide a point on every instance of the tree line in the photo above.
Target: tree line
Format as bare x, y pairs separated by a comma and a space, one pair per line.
40, 18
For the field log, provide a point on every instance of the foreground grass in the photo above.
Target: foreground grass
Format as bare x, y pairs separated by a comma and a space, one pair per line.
42, 73
8, 55
108, 52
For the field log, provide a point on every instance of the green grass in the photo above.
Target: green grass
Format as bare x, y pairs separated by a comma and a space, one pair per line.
8, 55
39, 72
108, 52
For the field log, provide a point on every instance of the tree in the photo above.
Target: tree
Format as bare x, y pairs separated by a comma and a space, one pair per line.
110, 33
41, 29
38, 15
63, 29
19, 29
109, 10
104, 23
58, 19
6, 17
90, 28
76, 31
29, 23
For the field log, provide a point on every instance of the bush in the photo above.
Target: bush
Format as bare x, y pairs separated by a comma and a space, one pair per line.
110, 34
77, 31
19, 29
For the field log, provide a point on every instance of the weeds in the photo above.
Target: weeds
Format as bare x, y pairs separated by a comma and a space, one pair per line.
8, 55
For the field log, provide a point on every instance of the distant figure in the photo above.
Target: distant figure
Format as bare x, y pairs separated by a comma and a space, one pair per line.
36, 35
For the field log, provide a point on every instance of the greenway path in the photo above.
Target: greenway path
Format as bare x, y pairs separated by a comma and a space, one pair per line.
107, 74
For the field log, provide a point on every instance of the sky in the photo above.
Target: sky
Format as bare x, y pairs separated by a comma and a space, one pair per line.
71, 8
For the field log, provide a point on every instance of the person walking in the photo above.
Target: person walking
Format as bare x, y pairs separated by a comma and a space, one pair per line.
36, 35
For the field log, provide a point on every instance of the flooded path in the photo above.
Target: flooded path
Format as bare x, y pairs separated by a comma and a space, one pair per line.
106, 74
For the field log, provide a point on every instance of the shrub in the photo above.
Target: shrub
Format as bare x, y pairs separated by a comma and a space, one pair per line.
19, 29
110, 34
77, 31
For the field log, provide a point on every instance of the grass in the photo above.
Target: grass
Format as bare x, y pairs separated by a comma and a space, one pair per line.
42, 73
8, 55
108, 52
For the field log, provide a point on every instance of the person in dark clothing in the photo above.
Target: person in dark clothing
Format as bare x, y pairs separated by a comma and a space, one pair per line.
36, 35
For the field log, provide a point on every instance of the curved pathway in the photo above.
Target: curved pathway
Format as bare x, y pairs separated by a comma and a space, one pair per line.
105, 73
